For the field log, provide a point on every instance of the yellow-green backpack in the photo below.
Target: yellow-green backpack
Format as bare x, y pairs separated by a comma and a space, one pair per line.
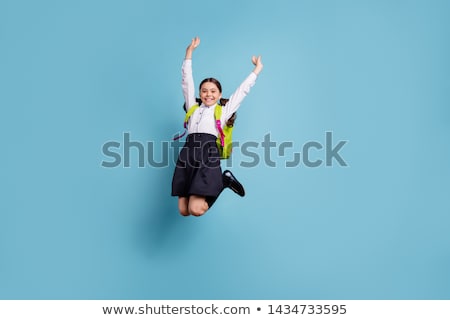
224, 140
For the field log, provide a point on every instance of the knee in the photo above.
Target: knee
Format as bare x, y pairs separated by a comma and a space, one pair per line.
183, 207
184, 211
197, 209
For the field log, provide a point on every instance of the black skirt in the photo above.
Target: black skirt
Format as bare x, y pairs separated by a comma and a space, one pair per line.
198, 169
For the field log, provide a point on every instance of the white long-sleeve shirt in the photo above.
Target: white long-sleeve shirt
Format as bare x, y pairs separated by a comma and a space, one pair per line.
202, 120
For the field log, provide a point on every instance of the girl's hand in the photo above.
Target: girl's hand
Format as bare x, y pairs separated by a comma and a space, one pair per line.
258, 64
194, 44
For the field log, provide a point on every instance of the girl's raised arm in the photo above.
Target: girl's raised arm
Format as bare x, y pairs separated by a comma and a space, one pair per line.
258, 64
187, 81
194, 44
242, 91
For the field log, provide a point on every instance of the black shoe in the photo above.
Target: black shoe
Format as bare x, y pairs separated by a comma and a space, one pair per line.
230, 181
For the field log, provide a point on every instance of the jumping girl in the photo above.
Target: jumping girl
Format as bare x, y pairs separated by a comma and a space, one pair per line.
198, 178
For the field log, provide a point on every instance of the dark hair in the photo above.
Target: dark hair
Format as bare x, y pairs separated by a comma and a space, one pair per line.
215, 81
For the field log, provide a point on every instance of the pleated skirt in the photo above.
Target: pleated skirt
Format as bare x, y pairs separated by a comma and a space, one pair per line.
198, 170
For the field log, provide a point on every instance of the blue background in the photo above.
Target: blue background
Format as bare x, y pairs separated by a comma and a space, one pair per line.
76, 74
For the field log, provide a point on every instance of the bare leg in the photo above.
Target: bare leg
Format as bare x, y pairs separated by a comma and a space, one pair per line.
197, 205
183, 206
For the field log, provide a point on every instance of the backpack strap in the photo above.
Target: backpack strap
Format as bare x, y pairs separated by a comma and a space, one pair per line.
186, 119
189, 114
217, 116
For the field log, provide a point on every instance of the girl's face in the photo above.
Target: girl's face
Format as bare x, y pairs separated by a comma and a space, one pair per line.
210, 94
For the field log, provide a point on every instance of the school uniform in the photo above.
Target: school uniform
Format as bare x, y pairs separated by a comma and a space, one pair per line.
198, 171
